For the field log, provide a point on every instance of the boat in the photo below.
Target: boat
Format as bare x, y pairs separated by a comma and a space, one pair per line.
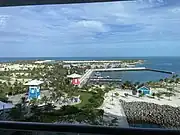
97, 74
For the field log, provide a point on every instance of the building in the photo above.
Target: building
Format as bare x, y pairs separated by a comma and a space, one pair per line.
74, 78
34, 89
144, 89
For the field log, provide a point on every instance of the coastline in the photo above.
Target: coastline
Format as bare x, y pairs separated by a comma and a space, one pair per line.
162, 113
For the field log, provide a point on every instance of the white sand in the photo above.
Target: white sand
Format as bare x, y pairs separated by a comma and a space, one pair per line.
112, 107
12, 67
174, 100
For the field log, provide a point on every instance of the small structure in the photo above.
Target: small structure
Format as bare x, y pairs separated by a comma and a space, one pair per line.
34, 89
144, 90
74, 78
76, 99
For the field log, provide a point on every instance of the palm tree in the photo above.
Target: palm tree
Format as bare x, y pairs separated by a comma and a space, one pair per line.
137, 83
53, 96
174, 76
158, 95
33, 102
169, 91
166, 80
177, 81
45, 99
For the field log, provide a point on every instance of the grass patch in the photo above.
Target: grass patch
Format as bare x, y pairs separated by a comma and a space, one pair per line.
84, 96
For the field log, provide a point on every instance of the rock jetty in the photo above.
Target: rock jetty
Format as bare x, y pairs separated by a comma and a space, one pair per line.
143, 112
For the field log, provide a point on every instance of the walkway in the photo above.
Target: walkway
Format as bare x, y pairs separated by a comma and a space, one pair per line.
85, 77
112, 107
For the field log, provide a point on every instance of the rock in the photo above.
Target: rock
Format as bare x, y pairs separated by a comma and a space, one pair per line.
164, 115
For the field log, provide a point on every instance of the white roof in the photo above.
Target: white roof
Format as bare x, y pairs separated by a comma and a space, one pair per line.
74, 76
34, 82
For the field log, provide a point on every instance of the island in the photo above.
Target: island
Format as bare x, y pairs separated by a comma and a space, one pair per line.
75, 92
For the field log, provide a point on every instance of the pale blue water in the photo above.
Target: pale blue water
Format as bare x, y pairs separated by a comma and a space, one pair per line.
163, 63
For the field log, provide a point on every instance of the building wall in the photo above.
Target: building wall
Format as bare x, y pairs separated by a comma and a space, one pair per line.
145, 90
34, 92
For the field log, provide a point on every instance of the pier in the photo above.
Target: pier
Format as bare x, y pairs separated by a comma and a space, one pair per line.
105, 80
132, 69
120, 69
84, 79
161, 71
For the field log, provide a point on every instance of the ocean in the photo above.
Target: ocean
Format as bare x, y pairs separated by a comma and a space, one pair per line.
162, 63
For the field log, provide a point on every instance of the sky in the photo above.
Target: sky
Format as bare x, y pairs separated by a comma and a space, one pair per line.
116, 29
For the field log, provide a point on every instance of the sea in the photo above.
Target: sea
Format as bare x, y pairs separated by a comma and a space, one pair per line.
162, 63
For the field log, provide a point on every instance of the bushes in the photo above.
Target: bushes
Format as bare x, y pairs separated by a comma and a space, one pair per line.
96, 100
116, 94
3, 98
65, 110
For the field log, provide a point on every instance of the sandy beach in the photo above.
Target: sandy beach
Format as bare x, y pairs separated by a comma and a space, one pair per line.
174, 100
131, 109
113, 109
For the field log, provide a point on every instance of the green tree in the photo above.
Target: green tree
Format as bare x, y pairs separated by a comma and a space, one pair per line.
177, 81
170, 90
158, 95
166, 80
45, 100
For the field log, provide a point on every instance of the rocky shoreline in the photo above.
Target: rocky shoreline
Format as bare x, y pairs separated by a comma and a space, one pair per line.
143, 112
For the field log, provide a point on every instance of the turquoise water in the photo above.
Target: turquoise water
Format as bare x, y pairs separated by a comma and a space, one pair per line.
163, 63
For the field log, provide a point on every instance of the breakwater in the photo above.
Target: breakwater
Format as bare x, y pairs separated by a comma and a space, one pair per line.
160, 71
142, 112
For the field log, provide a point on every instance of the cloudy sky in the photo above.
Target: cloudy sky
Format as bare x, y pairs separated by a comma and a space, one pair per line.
139, 28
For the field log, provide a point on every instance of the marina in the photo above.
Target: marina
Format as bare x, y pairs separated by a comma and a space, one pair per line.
105, 80
87, 76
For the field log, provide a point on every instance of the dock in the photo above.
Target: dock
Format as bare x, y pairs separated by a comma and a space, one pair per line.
84, 79
161, 71
105, 80
120, 69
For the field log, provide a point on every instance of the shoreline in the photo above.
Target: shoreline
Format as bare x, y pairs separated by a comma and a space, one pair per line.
162, 113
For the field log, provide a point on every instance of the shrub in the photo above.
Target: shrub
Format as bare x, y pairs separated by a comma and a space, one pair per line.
116, 94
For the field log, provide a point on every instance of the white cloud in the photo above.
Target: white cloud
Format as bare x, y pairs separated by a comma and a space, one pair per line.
3, 20
92, 26
89, 25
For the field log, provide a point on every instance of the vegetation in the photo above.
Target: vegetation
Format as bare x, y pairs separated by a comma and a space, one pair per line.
55, 80
84, 97
116, 94
54, 77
